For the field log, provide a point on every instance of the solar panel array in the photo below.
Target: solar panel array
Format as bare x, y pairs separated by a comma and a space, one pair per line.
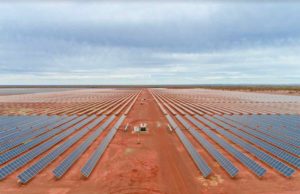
21, 137
199, 161
261, 155
61, 169
244, 159
90, 165
24, 159
273, 139
222, 160
30, 172
18, 129
265, 126
280, 153
28, 144
245, 127
38, 140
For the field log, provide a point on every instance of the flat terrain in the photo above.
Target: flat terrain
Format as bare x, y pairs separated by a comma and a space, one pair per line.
14, 91
156, 161
269, 89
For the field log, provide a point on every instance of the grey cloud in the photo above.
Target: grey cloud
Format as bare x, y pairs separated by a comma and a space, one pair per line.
173, 27
121, 42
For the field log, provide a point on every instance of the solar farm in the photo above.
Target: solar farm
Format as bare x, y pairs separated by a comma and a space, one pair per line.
193, 141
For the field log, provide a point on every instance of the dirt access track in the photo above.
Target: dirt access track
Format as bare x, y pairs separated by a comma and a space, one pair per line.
155, 161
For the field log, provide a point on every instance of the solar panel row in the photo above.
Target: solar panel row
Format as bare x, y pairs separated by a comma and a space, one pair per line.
290, 121
177, 108
16, 140
64, 166
24, 159
124, 105
186, 108
170, 109
31, 143
11, 122
249, 163
113, 107
199, 161
268, 159
281, 120
287, 127
35, 122
93, 160
33, 170
19, 124
268, 128
272, 127
23, 130
223, 161
162, 109
286, 121
293, 160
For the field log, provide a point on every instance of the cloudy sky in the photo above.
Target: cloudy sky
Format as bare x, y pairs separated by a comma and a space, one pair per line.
149, 43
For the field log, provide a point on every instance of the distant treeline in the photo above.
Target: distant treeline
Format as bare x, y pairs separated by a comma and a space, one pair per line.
255, 87
295, 87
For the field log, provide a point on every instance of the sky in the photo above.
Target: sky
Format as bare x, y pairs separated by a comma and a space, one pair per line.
138, 42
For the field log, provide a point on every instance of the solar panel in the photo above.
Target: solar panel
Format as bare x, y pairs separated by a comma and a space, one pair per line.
10, 124
272, 137
274, 125
33, 170
281, 130
60, 170
26, 123
170, 109
199, 161
131, 99
293, 160
249, 163
13, 121
90, 165
27, 145
24, 159
271, 161
223, 161
162, 109
14, 141
132, 103
177, 108
23, 130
